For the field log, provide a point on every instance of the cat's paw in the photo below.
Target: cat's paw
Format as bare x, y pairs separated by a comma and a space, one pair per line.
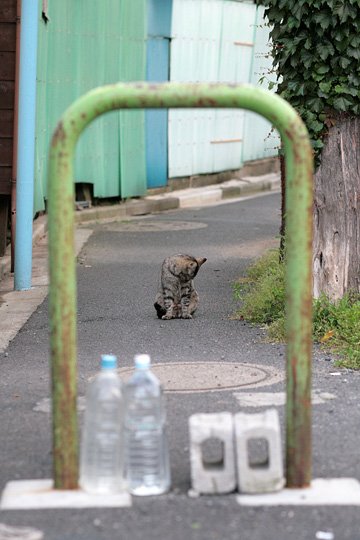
167, 317
187, 316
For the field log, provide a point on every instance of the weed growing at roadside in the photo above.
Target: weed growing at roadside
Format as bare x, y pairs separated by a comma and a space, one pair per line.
262, 294
336, 325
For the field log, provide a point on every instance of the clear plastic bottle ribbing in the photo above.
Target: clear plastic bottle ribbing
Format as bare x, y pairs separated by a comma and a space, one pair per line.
102, 447
146, 447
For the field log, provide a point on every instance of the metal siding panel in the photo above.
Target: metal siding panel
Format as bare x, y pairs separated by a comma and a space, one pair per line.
237, 28
157, 65
212, 42
205, 47
83, 46
132, 123
157, 120
156, 148
97, 157
72, 46
159, 17
194, 58
261, 141
234, 66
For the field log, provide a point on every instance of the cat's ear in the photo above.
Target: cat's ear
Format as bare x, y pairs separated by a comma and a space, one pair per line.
201, 260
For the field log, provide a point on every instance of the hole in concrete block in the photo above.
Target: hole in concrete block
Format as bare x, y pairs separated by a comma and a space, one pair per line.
212, 451
258, 453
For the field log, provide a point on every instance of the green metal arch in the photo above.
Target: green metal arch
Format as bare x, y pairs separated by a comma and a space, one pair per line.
62, 294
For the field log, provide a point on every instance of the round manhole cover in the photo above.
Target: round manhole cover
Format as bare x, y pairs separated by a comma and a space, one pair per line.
186, 377
153, 226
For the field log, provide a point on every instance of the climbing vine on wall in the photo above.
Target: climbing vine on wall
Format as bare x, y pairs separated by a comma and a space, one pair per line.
316, 55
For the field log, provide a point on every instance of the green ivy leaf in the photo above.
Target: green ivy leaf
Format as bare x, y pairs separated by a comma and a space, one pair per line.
343, 89
323, 19
325, 86
307, 58
325, 50
315, 104
344, 62
322, 69
354, 80
316, 55
341, 103
344, 10
354, 53
317, 144
317, 126
355, 41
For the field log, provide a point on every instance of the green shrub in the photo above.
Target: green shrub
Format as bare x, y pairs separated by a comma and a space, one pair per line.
336, 325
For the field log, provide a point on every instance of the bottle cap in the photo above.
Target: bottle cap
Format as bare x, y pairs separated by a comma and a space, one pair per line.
108, 361
142, 361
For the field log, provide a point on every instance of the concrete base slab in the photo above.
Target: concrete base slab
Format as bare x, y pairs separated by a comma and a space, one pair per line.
37, 494
323, 491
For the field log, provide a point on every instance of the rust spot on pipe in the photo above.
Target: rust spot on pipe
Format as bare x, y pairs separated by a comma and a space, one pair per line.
59, 134
206, 102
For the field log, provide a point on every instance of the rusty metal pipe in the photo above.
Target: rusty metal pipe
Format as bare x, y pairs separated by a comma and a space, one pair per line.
299, 171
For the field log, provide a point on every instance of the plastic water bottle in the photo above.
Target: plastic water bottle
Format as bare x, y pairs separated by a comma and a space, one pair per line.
146, 449
102, 448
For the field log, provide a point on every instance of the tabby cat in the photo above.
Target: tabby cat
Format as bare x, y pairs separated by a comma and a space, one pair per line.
177, 298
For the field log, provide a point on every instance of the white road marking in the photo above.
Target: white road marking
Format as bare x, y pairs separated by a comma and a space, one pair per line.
19, 533
277, 399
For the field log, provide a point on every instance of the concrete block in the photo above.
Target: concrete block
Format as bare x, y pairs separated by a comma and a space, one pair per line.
268, 476
209, 477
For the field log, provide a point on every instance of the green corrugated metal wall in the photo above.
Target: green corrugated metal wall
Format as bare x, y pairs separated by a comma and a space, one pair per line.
85, 44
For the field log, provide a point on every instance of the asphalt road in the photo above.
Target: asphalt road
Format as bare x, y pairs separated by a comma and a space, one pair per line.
117, 280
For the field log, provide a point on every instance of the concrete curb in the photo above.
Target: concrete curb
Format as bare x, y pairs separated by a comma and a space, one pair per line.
233, 188
39, 231
184, 198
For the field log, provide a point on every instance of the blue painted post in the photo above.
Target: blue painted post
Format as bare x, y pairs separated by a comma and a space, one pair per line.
26, 144
157, 69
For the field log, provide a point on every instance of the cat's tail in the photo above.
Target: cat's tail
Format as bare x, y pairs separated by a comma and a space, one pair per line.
160, 310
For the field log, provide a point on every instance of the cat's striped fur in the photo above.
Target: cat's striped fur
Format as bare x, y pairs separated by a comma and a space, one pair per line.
177, 298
